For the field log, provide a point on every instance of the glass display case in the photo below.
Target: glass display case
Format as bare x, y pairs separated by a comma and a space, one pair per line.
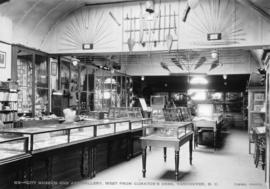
111, 126
110, 90
139, 123
12, 147
134, 116
169, 129
77, 84
33, 81
53, 135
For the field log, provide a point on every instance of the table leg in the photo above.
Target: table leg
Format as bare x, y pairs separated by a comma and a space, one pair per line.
190, 150
165, 153
94, 160
196, 135
215, 135
144, 161
176, 164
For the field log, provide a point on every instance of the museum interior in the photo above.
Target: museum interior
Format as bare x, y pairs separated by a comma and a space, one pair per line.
134, 94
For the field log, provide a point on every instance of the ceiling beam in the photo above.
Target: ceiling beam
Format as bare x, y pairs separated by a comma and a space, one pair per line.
113, 2
257, 9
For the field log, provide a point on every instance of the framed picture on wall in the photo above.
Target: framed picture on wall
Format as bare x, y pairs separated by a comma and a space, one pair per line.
2, 59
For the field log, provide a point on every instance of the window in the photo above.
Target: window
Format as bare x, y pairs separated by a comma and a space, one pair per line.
198, 81
198, 94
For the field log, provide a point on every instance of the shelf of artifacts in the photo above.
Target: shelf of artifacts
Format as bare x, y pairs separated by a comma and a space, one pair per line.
8, 107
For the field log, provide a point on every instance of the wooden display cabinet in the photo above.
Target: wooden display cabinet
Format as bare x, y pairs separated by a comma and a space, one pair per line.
267, 120
256, 108
31, 70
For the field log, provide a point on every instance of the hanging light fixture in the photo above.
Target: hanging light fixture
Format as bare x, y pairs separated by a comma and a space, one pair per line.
149, 6
75, 61
214, 54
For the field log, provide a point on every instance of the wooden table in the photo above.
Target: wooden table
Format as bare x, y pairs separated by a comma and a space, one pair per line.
208, 123
168, 135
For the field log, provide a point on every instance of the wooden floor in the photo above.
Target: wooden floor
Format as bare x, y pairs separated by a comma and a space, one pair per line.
228, 167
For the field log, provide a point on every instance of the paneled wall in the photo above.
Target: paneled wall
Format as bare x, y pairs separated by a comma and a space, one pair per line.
5, 61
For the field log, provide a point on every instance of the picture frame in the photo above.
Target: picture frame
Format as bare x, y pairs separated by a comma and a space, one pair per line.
54, 68
2, 59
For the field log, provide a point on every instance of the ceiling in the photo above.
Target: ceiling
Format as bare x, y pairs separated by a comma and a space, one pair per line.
185, 57
263, 4
39, 16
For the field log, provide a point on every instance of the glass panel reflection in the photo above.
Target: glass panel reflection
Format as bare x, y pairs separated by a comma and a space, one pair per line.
81, 133
41, 71
105, 129
41, 102
83, 78
45, 140
83, 101
123, 126
24, 71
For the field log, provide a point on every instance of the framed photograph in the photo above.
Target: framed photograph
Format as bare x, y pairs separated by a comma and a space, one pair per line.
54, 69
2, 59
259, 97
